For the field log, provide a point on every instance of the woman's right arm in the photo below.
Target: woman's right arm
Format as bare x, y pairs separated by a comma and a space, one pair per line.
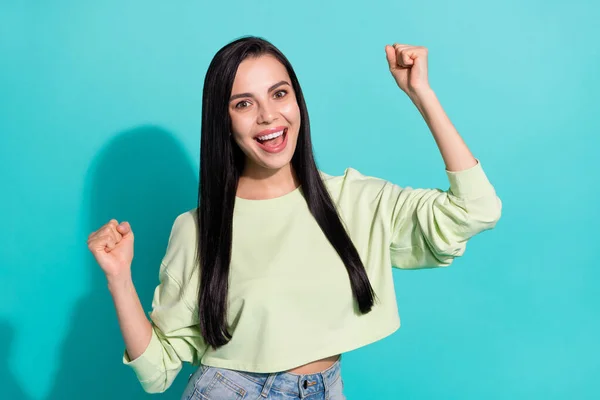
135, 327
112, 246
155, 349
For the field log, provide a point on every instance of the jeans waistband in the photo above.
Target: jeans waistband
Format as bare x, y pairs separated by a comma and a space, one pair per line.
300, 385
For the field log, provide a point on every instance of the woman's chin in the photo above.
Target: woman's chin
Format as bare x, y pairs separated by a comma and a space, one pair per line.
272, 162
274, 165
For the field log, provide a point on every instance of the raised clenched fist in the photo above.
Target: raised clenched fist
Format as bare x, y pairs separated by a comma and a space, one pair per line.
112, 246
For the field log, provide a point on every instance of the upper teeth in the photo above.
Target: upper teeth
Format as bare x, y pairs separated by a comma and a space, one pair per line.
271, 135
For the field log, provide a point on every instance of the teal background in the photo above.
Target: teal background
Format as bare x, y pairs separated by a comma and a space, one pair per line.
100, 118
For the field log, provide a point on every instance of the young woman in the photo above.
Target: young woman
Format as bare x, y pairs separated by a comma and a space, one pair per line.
282, 268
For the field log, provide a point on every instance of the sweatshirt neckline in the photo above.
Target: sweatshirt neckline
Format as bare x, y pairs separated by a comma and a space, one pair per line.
292, 197
296, 193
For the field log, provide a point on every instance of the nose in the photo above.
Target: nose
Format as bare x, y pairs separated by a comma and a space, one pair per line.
265, 114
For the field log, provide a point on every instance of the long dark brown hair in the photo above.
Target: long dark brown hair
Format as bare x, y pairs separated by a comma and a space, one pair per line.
222, 162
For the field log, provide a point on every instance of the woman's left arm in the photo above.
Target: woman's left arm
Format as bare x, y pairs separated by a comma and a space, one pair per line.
431, 227
408, 65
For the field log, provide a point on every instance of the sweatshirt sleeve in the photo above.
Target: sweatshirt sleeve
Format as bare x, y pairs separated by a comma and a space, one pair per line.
423, 228
176, 336
431, 227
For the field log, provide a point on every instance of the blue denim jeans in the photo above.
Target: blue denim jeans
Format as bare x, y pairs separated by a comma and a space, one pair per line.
211, 383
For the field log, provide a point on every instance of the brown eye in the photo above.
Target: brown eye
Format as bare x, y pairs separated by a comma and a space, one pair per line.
283, 92
239, 105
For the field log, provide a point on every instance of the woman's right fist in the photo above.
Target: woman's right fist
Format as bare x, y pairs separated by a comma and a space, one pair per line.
112, 247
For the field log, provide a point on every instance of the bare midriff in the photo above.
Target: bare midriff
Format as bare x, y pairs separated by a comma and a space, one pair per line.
315, 366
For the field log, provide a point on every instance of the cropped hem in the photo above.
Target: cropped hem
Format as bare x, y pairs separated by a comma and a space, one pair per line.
339, 348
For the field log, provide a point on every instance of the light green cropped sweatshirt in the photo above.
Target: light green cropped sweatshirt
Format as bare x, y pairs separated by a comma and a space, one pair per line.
290, 300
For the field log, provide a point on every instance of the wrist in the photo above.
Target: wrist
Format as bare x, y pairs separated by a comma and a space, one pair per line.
119, 282
421, 95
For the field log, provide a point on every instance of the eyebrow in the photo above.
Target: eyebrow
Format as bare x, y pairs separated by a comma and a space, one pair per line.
275, 86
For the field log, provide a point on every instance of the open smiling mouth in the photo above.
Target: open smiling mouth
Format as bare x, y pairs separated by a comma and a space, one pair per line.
273, 142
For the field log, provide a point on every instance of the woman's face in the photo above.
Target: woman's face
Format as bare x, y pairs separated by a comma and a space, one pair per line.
265, 117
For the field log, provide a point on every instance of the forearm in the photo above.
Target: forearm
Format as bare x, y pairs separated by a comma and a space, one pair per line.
453, 149
135, 327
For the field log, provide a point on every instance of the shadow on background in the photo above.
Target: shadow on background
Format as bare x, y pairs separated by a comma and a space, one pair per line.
10, 387
143, 176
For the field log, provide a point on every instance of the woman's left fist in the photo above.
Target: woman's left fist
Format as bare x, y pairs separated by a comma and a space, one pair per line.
408, 65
